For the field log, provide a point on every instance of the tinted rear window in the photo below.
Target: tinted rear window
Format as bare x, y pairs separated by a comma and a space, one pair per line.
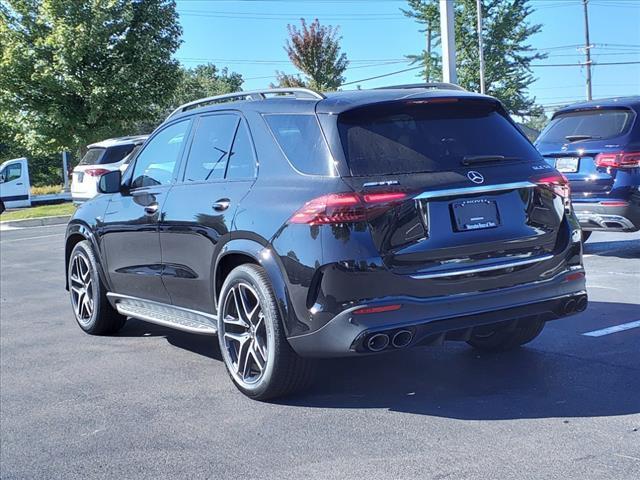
411, 138
599, 124
302, 142
92, 156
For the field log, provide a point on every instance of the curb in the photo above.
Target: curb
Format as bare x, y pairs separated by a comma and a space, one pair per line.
37, 222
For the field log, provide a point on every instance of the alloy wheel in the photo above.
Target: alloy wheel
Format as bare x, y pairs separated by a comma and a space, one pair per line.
82, 292
244, 334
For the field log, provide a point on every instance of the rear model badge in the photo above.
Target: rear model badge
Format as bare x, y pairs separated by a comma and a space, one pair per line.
475, 177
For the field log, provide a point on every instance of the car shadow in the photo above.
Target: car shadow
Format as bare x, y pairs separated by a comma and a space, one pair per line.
619, 248
205, 345
553, 377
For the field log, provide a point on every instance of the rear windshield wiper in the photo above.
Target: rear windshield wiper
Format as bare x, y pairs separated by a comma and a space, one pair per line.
577, 138
475, 159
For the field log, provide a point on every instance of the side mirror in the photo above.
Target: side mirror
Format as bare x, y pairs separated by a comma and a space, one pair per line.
110, 182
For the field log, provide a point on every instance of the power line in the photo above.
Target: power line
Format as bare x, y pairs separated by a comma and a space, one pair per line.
582, 64
382, 76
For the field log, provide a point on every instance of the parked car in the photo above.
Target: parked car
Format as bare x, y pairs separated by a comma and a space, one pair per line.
15, 190
101, 157
597, 146
296, 225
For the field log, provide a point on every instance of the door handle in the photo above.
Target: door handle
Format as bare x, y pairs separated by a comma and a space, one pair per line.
221, 204
20, 183
151, 209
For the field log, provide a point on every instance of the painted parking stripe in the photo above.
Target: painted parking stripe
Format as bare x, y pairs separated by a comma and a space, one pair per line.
614, 329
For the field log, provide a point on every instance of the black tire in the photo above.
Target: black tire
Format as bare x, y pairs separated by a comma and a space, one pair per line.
500, 338
102, 318
585, 236
284, 372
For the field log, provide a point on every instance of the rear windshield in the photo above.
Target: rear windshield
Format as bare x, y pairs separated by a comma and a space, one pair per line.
590, 124
411, 138
94, 156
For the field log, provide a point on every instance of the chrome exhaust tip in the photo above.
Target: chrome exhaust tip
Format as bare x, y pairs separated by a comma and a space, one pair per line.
378, 342
581, 304
569, 307
402, 338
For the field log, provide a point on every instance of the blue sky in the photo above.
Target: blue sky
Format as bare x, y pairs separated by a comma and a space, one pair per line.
248, 37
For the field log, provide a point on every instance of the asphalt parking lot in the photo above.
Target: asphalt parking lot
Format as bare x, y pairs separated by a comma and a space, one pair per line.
155, 403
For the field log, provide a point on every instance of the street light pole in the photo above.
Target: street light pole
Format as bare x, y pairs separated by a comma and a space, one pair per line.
587, 46
480, 45
448, 42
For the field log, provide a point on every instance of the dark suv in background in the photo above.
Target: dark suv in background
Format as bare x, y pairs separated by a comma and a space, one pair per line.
297, 225
596, 145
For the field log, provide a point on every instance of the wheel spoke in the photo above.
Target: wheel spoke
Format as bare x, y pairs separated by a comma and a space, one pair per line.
257, 357
247, 311
238, 320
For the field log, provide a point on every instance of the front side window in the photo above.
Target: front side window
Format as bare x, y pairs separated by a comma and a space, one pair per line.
209, 153
156, 163
11, 172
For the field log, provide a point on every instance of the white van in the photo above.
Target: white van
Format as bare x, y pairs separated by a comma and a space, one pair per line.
15, 189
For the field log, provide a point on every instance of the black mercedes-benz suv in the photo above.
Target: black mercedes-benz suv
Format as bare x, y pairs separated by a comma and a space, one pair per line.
297, 225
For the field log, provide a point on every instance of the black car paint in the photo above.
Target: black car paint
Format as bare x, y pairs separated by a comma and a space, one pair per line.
318, 273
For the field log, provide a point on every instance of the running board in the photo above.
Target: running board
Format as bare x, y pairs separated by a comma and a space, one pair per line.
165, 315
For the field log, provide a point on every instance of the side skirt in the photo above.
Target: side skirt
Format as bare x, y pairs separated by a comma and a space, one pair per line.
171, 316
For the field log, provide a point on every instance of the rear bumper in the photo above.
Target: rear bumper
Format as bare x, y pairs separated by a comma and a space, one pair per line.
598, 217
435, 319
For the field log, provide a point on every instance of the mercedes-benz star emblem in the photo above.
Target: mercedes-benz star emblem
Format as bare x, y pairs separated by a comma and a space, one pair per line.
475, 177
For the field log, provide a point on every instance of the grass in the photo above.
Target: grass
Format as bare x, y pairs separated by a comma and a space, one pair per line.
46, 189
38, 212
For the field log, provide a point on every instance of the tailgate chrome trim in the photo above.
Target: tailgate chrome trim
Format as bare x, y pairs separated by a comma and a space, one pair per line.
473, 190
487, 268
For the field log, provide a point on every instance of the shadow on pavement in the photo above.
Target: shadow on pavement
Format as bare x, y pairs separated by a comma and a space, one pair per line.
619, 248
456, 381
205, 345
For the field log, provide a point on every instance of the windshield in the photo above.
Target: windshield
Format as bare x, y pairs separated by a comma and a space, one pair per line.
586, 125
411, 138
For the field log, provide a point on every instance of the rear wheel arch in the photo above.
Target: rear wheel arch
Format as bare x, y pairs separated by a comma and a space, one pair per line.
244, 251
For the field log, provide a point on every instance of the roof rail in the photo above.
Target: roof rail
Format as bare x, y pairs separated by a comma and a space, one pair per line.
251, 95
429, 86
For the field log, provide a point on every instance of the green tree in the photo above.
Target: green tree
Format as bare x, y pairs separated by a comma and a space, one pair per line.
193, 83
314, 49
507, 54
74, 72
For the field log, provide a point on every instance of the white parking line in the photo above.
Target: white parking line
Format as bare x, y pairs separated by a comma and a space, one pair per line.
614, 329
12, 240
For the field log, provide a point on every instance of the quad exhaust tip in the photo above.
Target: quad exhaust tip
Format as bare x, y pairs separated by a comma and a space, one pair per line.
402, 338
378, 342
569, 307
581, 304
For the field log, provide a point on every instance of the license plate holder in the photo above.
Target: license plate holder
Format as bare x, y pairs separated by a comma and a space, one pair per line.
567, 164
477, 214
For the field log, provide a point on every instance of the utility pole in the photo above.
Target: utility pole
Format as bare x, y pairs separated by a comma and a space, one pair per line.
447, 36
65, 171
427, 60
587, 46
480, 45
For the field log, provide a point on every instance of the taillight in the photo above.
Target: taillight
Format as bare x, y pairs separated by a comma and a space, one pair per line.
96, 172
346, 207
618, 159
558, 184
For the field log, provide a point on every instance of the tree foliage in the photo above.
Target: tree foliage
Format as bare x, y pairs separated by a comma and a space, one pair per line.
74, 72
192, 83
507, 55
314, 49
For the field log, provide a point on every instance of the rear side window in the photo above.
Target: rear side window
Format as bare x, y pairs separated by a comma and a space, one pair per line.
409, 138
301, 140
242, 163
210, 148
92, 156
590, 124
